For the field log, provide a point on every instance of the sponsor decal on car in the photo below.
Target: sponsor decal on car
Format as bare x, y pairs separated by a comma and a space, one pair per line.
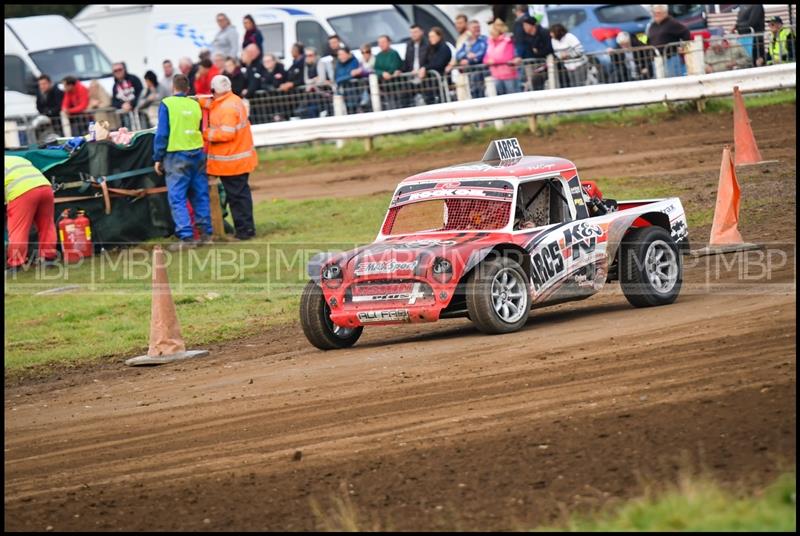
377, 293
582, 237
384, 267
392, 315
447, 192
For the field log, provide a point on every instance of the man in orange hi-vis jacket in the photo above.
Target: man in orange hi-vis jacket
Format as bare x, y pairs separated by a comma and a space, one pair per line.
231, 154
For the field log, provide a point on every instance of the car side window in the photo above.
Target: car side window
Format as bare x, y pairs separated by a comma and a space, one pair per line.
273, 38
541, 203
311, 33
568, 17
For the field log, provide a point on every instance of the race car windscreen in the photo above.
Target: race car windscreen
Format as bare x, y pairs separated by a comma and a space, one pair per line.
431, 208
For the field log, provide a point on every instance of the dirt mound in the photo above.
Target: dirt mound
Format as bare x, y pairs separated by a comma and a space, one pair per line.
437, 426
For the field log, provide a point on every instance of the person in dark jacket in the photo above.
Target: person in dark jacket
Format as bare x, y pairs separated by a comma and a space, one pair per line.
274, 76
663, 31
237, 78
49, 97
416, 50
750, 21
522, 40
437, 57
537, 46
290, 88
126, 91
252, 35
346, 74
253, 71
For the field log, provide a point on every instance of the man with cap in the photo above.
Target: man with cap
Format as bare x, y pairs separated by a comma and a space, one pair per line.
781, 49
178, 151
29, 200
231, 154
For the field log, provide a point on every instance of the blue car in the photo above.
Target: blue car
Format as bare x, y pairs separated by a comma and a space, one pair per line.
596, 26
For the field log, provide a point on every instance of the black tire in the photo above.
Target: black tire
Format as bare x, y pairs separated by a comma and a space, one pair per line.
317, 325
636, 271
481, 304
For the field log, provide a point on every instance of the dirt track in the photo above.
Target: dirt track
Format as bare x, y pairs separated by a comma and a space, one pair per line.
683, 146
432, 426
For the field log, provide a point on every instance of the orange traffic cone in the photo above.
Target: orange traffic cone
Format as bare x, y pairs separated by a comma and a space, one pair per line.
166, 343
745, 143
725, 236
725, 229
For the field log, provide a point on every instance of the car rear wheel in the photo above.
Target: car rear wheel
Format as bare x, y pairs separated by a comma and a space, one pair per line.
650, 267
315, 317
498, 297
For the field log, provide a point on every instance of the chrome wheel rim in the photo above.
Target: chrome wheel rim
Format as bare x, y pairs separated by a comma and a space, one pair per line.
509, 296
661, 266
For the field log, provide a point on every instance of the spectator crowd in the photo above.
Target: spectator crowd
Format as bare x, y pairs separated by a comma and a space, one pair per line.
303, 85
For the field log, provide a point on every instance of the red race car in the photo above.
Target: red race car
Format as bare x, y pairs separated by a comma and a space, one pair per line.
490, 240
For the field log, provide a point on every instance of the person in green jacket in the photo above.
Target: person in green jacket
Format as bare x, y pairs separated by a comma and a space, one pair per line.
388, 66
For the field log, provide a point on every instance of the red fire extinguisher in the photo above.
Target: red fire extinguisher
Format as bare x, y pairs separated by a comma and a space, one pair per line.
76, 236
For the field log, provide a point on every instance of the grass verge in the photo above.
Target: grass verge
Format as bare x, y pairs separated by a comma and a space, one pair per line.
221, 292
700, 505
693, 504
281, 160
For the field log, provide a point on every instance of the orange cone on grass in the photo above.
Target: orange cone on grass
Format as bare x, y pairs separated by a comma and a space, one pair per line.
744, 141
166, 343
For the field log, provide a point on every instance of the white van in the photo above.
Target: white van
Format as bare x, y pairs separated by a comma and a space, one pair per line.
144, 36
51, 45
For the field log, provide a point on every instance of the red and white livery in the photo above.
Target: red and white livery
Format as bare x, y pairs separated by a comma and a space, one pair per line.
491, 240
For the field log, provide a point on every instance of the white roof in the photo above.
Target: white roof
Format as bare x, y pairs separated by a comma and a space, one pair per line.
46, 32
320, 10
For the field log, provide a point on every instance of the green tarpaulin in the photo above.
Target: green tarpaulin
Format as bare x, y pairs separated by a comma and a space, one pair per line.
133, 218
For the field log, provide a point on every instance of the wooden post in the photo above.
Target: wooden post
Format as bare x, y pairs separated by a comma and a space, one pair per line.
700, 104
339, 109
368, 144
552, 78
216, 208
374, 92
532, 124
491, 91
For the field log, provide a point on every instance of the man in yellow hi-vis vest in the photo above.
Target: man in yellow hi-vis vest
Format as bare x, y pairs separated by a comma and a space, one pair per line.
178, 150
29, 200
782, 48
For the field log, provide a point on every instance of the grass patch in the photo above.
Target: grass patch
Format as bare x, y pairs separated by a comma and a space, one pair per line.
693, 504
280, 160
221, 292
700, 505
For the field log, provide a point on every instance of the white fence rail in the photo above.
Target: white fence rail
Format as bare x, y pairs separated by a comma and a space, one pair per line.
526, 104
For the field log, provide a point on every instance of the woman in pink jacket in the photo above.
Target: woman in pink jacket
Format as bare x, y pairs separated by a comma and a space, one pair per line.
499, 55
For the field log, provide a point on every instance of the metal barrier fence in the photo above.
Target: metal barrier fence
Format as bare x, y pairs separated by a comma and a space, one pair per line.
408, 89
302, 102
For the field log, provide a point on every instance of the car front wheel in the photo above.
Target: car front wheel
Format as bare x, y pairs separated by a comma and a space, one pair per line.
319, 329
498, 296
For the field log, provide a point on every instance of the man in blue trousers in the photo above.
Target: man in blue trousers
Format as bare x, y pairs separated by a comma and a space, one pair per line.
178, 151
